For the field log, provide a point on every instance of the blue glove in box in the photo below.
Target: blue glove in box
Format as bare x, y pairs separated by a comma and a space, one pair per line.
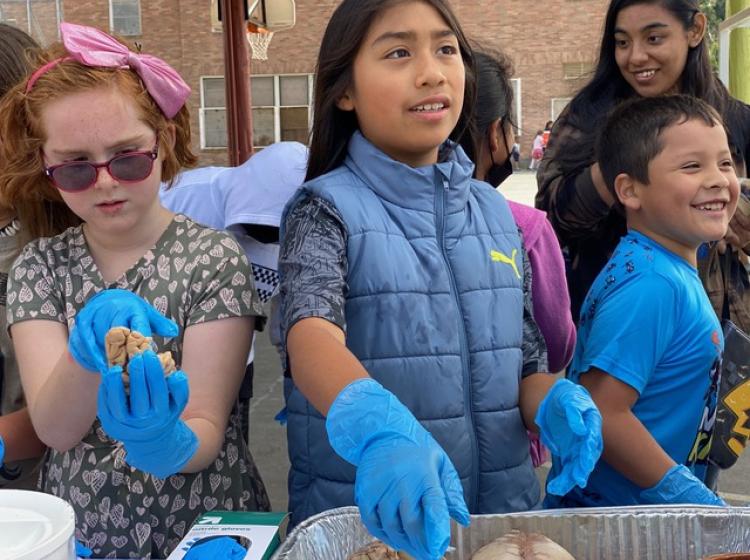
260, 533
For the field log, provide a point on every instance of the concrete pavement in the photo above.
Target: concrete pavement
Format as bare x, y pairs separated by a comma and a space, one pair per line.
520, 187
268, 438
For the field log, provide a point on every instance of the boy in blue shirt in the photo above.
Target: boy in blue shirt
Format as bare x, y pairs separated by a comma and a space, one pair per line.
649, 343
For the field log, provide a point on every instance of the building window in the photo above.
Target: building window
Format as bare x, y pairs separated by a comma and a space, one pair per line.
577, 70
281, 109
557, 106
125, 17
216, 25
213, 114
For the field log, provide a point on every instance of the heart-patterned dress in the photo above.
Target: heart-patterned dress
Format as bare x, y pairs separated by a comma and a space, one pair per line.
192, 274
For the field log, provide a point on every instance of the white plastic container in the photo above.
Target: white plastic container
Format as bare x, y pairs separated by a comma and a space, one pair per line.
35, 526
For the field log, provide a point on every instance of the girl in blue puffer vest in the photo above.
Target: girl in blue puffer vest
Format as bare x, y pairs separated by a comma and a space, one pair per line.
407, 328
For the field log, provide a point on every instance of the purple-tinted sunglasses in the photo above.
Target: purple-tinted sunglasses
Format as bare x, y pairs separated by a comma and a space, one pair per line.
78, 176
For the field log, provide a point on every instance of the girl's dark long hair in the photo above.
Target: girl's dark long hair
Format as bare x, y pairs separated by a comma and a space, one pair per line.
15, 46
608, 87
494, 98
332, 128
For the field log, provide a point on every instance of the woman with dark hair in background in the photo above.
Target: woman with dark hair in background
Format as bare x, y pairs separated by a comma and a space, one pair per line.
649, 48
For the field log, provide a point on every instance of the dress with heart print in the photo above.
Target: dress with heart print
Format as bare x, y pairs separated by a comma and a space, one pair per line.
193, 275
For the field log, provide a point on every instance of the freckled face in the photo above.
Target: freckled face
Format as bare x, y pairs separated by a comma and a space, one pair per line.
95, 126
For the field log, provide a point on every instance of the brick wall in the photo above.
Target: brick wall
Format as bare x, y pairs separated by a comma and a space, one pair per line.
539, 35
42, 25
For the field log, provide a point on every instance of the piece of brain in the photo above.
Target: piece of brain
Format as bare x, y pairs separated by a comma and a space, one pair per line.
522, 546
377, 550
121, 344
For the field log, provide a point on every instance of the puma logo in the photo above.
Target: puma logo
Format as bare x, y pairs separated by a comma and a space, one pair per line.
497, 256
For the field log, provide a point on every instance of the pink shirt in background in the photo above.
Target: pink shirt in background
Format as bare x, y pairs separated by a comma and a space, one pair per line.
549, 290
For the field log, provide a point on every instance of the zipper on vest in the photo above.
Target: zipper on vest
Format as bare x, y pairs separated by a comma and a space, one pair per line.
442, 190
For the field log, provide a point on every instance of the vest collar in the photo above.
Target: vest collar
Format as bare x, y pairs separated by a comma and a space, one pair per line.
389, 178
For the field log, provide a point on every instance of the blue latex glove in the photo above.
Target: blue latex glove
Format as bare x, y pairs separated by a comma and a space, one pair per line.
82, 551
148, 423
571, 427
2, 451
406, 488
680, 486
282, 416
113, 308
222, 548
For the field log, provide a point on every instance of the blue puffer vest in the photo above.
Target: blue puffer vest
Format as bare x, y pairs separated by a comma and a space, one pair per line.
434, 313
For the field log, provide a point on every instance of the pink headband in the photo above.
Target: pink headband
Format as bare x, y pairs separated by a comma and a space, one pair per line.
92, 47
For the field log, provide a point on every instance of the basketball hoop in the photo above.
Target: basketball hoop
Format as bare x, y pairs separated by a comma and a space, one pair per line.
259, 39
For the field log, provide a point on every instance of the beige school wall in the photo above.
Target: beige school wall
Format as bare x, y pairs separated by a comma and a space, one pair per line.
553, 43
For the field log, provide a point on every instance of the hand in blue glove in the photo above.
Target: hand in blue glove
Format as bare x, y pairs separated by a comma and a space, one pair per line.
571, 427
222, 548
2, 451
82, 551
148, 424
680, 486
406, 488
113, 308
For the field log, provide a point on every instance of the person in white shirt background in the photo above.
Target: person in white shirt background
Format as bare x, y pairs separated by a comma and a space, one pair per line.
247, 201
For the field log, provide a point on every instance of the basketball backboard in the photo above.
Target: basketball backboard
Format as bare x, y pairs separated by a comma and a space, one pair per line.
273, 15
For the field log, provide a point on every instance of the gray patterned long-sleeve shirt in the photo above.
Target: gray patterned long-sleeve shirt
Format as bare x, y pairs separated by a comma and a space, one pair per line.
313, 266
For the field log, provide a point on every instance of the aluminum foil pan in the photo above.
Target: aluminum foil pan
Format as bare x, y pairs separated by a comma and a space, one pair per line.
644, 533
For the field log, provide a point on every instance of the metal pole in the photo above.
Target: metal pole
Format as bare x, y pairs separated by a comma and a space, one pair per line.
58, 16
724, 55
237, 82
28, 16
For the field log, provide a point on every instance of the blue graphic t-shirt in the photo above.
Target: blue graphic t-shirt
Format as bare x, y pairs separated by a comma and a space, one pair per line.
647, 322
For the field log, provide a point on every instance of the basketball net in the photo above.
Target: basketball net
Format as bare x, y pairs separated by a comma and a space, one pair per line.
259, 39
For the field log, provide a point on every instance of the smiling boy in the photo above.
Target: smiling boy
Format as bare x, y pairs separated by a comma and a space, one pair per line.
649, 345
